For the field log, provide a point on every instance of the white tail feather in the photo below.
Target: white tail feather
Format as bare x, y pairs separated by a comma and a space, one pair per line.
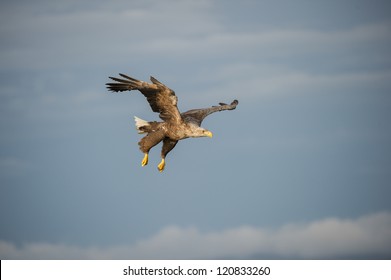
140, 123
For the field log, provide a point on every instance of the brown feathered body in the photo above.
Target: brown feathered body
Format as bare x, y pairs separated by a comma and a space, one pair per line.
169, 133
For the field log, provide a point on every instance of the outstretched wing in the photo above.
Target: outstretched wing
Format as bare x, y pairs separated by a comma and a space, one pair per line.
161, 99
198, 115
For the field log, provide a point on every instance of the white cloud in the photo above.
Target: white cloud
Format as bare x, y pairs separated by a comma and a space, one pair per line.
107, 33
257, 82
111, 33
328, 238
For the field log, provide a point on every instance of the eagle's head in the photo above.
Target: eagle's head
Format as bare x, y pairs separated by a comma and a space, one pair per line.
197, 131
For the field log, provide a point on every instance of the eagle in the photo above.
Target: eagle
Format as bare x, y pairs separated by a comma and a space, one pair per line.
175, 125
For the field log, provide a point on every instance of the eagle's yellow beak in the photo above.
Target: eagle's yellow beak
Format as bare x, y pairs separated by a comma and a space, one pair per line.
208, 133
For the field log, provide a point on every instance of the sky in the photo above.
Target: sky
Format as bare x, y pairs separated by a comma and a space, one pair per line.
300, 170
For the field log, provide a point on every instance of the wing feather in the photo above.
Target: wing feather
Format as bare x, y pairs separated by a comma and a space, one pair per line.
161, 98
198, 115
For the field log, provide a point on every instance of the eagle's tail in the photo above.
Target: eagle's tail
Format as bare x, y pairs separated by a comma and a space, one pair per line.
142, 126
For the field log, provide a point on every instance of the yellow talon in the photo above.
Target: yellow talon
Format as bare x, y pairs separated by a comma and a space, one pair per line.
161, 165
145, 160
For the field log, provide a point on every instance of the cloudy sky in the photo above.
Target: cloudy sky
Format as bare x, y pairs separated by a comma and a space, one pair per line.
301, 169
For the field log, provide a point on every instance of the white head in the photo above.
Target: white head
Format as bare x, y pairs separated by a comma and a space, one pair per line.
197, 131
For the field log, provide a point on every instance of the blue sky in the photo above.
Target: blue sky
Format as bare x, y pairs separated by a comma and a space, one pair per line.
301, 169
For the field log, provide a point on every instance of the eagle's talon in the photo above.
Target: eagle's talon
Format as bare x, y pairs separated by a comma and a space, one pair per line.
145, 160
161, 165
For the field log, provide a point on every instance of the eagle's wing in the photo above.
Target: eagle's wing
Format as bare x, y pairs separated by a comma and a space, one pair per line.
161, 99
198, 115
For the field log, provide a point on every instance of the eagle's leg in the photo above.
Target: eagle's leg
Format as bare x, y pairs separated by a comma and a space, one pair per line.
168, 145
149, 141
145, 160
161, 165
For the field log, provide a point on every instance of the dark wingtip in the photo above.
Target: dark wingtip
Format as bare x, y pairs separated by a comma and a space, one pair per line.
127, 77
235, 102
156, 82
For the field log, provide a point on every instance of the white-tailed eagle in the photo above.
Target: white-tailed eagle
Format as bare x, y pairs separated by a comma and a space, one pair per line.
175, 125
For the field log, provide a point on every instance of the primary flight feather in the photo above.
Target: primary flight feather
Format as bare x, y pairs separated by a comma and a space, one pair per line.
175, 125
